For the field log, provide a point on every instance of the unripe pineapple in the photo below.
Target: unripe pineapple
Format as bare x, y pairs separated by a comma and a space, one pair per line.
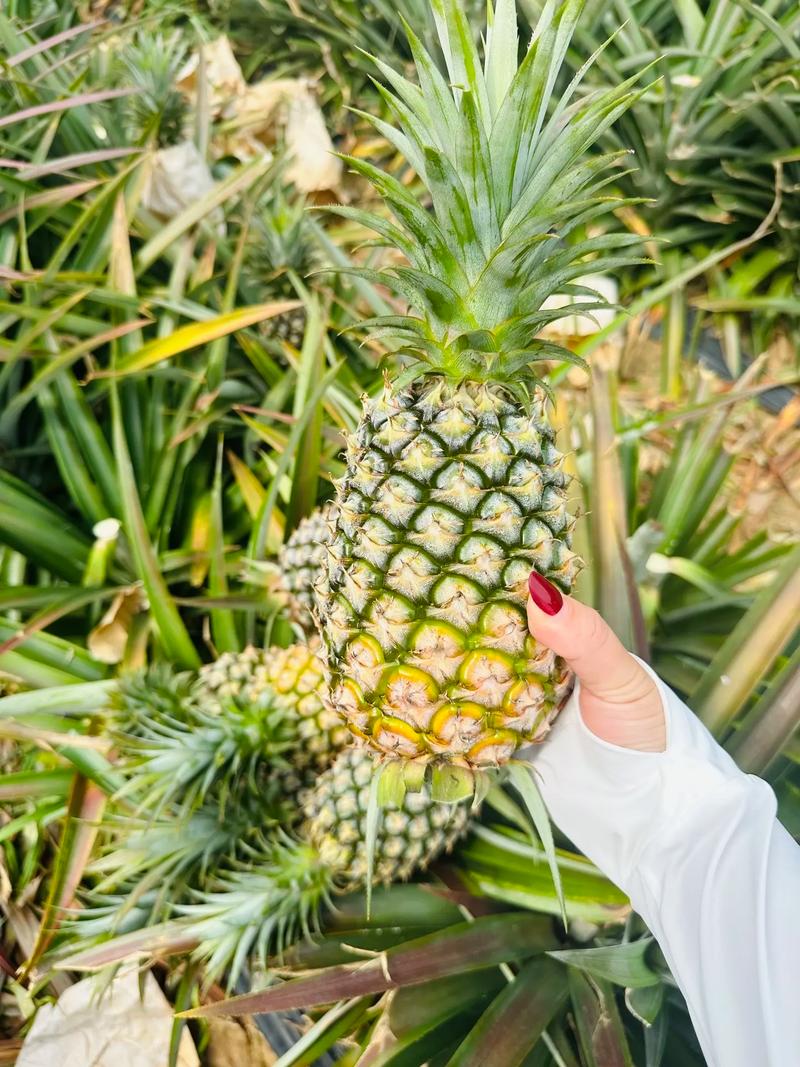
211, 761
277, 895
279, 247
453, 491
301, 559
410, 835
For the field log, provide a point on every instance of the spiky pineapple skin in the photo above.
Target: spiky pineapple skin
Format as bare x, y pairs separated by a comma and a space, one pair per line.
291, 680
302, 558
452, 494
409, 836
289, 326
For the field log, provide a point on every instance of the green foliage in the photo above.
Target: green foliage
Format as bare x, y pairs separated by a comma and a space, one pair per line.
510, 190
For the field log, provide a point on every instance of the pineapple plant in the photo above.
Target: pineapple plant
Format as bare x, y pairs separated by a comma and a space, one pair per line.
277, 892
253, 722
157, 112
453, 490
280, 251
290, 680
210, 760
248, 878
300, 561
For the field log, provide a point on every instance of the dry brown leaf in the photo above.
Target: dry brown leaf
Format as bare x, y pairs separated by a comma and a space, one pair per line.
5, 884
313, 166
119, 1029
284, 109
234, 1042
223, 74
108, 639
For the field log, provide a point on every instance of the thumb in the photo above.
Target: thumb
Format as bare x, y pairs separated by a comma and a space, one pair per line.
617, 694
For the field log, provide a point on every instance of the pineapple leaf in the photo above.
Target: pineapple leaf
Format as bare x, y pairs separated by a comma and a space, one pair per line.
544, 350
460, 53
471, 946
501, 52
436, 95
453, 209
371, 832
451, 784
392, 234
625, 964
522, 778
392, 785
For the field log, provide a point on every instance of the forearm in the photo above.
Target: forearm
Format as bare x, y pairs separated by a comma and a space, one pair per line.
695, 844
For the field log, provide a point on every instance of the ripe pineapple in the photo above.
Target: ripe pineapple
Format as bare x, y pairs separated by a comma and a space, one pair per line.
453, 490
290, 680
277, 894
301, 559
252, 723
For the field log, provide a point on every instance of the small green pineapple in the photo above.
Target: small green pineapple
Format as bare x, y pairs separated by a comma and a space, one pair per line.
280, 249
276, 895
290, 681
410, 835
210, 760
252, 723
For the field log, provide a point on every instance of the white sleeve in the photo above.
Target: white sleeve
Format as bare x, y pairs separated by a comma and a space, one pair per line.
695, 844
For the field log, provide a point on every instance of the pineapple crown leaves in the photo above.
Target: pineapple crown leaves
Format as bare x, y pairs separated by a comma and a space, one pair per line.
145, 697
227, 745
158, 110
510, 185
258, 907
144, 855
281, 238
150, 862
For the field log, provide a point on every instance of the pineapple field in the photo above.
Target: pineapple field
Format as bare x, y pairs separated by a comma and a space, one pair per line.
325, 324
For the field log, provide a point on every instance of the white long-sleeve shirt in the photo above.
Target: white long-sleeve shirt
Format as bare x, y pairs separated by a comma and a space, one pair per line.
695, 844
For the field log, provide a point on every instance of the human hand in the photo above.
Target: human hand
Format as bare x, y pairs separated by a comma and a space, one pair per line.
619, 701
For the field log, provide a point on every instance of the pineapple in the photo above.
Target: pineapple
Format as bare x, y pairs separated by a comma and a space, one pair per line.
280, 250
300, 561
453, 488
278, 893
410, 836
211, 760
252, 723
290, 680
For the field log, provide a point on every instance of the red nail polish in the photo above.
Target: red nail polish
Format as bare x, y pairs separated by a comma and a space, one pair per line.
545, 595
